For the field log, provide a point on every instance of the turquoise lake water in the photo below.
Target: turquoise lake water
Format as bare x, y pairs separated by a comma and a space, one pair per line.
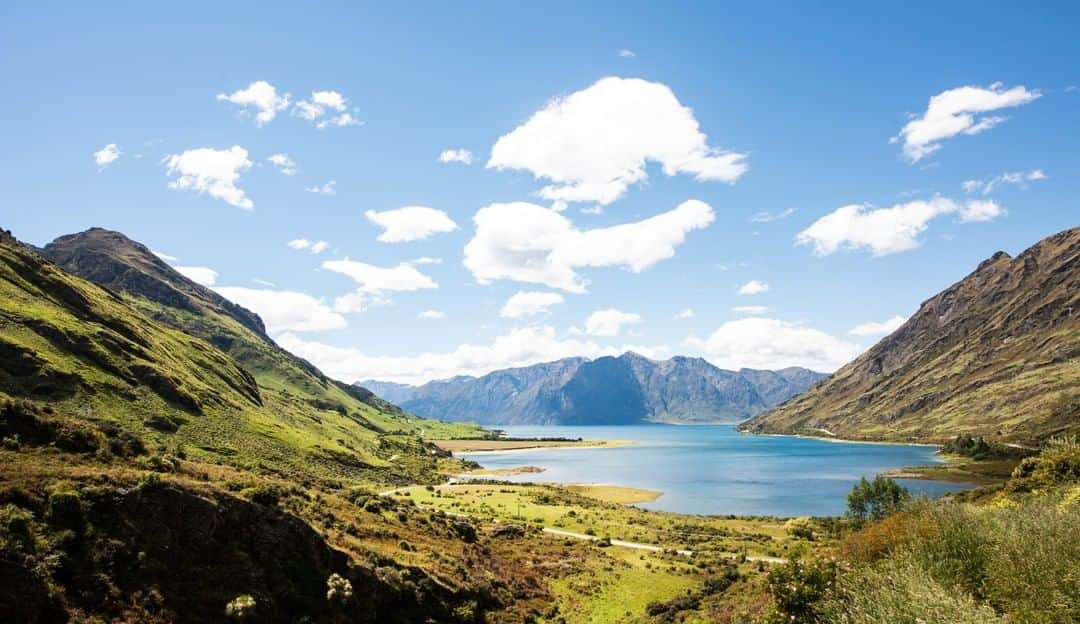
712, 469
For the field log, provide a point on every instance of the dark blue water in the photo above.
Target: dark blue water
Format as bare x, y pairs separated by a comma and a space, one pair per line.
712, 469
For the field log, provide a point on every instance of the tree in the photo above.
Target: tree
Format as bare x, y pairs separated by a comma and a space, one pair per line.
873, 500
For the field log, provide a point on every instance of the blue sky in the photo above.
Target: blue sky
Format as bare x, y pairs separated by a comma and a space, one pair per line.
795, 107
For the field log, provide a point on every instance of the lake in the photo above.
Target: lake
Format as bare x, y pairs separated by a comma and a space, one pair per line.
712, 469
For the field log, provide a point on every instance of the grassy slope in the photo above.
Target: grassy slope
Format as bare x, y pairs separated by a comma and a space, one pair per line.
995, 355
94, 353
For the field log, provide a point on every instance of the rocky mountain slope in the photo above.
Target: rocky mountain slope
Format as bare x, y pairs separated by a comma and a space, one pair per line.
175, 363
997, 355
608, 390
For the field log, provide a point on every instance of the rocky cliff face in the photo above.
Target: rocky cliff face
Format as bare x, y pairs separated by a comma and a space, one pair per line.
996, 355
609, 390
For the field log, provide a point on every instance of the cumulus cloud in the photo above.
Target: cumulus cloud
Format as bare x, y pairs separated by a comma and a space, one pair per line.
460, 155
533, 244
518, 347
978, 210
626, 53
261, 96
985, 187
878, 329
211, 171
200, 275
411, 223
686, 313
164, 256
885, 231
374, 282
767, 343
432, 315
325, 109
529, 303
958, 111
284, 164
594, 143
284, 310
754, 287
769, 217
107, 155
325, 189
609, 322
752, 310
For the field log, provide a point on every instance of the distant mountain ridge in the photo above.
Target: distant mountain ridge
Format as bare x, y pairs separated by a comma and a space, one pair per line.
608, 390
994, 355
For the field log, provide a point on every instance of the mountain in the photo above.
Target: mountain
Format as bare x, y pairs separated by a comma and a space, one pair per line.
607, 390
137, 344
994, 355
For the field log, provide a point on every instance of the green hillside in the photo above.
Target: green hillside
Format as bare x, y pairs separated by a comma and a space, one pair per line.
192, 375
995, 355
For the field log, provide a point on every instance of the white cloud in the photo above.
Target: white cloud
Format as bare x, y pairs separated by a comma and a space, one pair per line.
769, 217
374, 282
425, 260
609, 322
627, 53
594, 143
754, 287
325, 109
263, 282
432, 314
285, 310
878, 329
200, 275
284, 164
885, 231
460, 155
211, 171
766, 343
752, 310
979, 210
518, 347
164, 256
533, 244
958, 111
1012, 177
300, 244
411, 223
325, 189
687, 313
260, 95
529, 303
107, 155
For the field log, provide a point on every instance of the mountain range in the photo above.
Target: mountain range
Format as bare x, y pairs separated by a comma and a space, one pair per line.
627, 389
996, 355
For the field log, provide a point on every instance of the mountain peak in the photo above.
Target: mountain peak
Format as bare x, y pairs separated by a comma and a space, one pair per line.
113, 260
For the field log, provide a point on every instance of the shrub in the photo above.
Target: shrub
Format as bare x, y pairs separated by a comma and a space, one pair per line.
902, 590
16, 530
241, 608
800, 528
873, 500
338, 589
800, 589
65, 510
1057, 464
